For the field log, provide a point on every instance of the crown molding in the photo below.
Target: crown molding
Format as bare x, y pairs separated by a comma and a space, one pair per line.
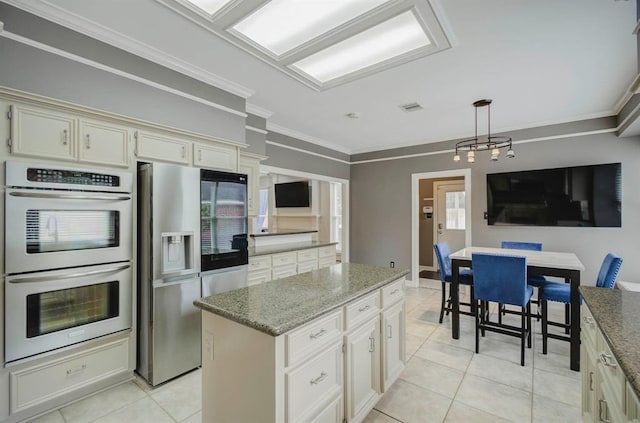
1, 26
259, 111
254, 129
308, 138
300, 150
95, 30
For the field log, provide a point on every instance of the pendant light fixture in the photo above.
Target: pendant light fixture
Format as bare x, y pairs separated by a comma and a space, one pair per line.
491, 143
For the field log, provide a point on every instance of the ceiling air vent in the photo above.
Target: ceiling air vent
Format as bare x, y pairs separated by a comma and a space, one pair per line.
411, 107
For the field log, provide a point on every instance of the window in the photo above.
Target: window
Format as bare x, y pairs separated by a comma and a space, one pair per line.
263, 211
336, 214
455, 210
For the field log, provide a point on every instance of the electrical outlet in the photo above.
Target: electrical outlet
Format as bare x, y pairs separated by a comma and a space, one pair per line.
392, 264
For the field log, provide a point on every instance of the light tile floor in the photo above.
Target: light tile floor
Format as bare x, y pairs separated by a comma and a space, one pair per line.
444, 380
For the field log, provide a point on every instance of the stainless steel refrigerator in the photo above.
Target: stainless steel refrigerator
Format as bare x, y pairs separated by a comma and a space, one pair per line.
168, 271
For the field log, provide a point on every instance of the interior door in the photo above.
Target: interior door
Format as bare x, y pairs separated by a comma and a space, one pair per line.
450, 214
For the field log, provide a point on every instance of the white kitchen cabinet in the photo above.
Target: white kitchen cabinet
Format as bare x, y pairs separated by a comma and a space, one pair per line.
290, 263
153, 146
220, 157
362, 381
250, 165
103, 143
393, 344
42, 133
606, 393
307, 260
35, 385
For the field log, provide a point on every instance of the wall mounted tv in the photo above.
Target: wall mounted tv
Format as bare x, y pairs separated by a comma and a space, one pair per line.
570, 196
292, 194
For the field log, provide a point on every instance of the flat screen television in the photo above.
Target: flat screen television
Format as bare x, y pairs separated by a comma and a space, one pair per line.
292, 194
569, 196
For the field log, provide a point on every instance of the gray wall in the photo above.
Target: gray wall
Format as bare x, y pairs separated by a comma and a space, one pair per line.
381, 203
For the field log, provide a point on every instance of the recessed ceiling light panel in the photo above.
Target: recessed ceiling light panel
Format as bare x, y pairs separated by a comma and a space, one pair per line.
392, 38
281, 25
209, 6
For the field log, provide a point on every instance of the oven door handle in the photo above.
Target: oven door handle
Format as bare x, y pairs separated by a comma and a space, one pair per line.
69, 196
70, 275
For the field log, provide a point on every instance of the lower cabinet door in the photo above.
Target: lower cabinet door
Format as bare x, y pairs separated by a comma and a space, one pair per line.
588, 383
331, 414
393, 344
363, 369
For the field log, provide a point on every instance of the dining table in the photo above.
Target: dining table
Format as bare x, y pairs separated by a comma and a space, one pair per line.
545, 263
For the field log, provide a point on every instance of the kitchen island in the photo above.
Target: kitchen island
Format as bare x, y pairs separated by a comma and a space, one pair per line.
610, 333
315, 347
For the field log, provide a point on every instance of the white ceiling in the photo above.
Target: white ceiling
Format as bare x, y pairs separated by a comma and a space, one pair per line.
542, 62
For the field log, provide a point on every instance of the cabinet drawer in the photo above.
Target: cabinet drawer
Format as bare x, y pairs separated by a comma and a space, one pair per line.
311, 338
327, 251
392, 293
311, 385
35, 385
307, 266
281, 259
259, 276
158, 147
362, 310
326, 261
284, 271
613, 379
221, 157
260, 262
307, 255
332, 413
588, 327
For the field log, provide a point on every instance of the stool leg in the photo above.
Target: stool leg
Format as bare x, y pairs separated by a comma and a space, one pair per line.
567, 317
543, 306
444, 293
529, 325
523, 334
477, 317
500, 311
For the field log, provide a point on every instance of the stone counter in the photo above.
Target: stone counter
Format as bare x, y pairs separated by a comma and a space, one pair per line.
617, 314
281, 305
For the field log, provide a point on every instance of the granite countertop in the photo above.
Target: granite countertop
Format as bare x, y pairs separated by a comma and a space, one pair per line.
278, 306
617, 314
290, 246
282, 232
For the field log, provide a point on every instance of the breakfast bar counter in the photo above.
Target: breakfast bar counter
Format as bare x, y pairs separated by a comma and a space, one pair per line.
320, 346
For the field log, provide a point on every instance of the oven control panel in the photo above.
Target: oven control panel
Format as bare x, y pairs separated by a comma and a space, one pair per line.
58, 176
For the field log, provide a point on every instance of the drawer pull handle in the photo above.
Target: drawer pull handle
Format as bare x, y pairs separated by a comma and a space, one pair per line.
317, 334
395, 291
591, 381
319, 379
76, 370
372, 344
88, 141
607, 360
365, 308
65, 137
390, 331
183, 150
603, 410
588, 320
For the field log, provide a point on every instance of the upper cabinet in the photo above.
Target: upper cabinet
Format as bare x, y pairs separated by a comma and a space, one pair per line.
42, 133
160, 147
220, 157
56, 135
250, 165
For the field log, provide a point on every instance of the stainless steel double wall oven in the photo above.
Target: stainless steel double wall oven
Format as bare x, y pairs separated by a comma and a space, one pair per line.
68, 251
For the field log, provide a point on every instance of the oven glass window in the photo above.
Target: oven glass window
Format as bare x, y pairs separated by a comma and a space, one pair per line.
67, 308
66, 230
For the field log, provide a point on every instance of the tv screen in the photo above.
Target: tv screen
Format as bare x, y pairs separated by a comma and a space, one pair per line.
292, 194
570, 196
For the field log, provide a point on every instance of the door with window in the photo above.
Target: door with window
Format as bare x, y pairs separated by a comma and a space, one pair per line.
450, 215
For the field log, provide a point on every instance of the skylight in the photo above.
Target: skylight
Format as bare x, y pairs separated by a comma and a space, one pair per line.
392, 38
282, 25
209, 6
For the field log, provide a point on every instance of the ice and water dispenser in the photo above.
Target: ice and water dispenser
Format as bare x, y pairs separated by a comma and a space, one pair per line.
177, 252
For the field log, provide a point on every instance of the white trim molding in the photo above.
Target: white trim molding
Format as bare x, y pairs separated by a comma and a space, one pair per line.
114, 71
259, 111
308, 138
324, 156
254, 129
102, 33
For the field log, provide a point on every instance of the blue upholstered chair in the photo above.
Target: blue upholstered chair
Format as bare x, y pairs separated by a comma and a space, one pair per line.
502, 279
465, 278
535, 280
561, 292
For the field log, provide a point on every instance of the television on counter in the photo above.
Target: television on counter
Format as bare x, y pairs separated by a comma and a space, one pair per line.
292, 194
569, 196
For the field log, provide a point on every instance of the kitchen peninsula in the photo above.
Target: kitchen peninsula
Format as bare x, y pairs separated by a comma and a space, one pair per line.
315, 347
